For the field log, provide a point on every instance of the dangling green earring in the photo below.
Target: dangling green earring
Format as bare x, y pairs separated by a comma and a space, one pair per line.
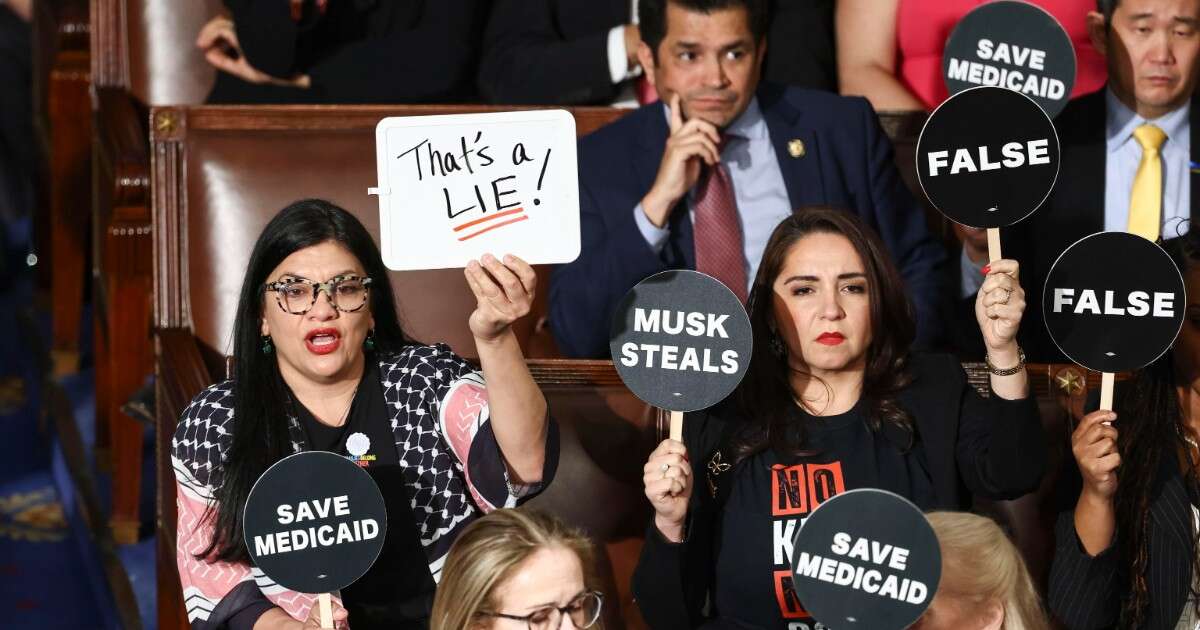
369, 342
267, 348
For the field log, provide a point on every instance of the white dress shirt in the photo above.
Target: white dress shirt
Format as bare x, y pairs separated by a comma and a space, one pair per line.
618, 62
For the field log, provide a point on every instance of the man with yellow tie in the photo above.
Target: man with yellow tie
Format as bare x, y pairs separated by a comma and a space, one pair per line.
1126, 149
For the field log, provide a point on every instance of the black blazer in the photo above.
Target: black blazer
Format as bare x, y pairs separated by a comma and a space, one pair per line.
1085, 592
800, 45
360, 51
961, 334
556, 51
550, 51
989, 447
1074, 209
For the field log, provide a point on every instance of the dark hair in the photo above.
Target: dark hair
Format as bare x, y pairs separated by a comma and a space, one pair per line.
765, 395
1151, 427
261, 434
652, 16
1106, 8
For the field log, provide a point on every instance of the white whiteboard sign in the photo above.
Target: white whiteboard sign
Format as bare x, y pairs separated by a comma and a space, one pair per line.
452, 188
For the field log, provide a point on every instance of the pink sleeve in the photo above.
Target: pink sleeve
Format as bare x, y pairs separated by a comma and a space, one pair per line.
463, 412
207, 582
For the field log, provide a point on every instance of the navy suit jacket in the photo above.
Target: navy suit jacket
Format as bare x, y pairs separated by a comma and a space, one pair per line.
847, 164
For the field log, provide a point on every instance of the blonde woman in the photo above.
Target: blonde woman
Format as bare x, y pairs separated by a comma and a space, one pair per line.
984, 585
517, 569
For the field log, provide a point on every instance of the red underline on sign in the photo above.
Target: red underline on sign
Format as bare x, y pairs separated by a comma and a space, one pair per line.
494, 216
492, 227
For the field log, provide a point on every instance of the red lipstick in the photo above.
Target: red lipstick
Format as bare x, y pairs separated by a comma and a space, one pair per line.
322, 340
831, 338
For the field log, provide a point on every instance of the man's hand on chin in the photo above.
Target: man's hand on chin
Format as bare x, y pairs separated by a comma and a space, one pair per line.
691, 144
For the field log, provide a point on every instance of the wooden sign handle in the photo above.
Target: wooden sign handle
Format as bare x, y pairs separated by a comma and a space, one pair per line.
326, 605
993, 235
1106, 390
677, 426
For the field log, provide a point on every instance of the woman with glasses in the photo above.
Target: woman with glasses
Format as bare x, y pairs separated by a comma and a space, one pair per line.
321, 363
518, 570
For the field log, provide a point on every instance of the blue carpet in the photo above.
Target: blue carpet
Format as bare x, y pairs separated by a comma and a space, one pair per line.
50, 572
139, 565
42, 570
41, 564
138, 560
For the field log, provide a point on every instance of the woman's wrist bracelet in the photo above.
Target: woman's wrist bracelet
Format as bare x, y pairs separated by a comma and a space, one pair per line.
1006, 371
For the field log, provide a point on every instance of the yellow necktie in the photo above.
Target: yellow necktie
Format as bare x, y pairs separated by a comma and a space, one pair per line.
1145, 204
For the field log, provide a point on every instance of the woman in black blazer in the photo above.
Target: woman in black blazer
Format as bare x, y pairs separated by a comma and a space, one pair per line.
833, 400
1126, 541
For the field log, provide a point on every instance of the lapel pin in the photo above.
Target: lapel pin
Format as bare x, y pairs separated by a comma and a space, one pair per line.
1194, 167
796, 148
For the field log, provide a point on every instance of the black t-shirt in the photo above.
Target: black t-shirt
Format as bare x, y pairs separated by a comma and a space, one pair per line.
365, 438
397, 592
770, 496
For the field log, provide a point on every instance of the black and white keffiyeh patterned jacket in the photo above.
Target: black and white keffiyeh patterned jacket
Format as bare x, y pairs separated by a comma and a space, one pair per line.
452, 469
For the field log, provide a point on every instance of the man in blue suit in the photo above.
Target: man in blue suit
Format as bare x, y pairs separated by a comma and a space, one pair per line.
699, 180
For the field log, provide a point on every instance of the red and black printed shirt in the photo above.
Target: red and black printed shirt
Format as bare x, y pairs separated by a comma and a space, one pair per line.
769, 498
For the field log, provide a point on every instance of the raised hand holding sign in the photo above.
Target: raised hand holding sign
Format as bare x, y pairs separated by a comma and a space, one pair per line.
1000, 304
314, 523
680, 341
504, 292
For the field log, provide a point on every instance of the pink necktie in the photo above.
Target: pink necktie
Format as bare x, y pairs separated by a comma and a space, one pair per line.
298, 9
645, 92
718, 232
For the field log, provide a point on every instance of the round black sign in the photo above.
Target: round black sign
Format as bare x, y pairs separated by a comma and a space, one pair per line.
866, 558
1114, 302
1014, 45
681, 340
987, 157
315, 522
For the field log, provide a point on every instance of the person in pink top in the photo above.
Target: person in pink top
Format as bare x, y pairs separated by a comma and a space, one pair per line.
890, 51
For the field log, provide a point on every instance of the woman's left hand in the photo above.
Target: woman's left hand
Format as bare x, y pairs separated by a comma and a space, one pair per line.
1000, 304
503, 293
219, 41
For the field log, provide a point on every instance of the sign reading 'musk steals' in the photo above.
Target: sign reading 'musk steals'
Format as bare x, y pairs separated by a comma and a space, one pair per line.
681, 340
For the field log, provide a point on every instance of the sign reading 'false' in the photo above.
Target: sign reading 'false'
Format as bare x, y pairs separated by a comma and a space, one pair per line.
315, 522
987, 157
866, 558
452, 188
1114, 302
681, 340
1013, 45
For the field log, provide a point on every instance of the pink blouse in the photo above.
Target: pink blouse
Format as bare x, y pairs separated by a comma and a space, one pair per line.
922, 27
